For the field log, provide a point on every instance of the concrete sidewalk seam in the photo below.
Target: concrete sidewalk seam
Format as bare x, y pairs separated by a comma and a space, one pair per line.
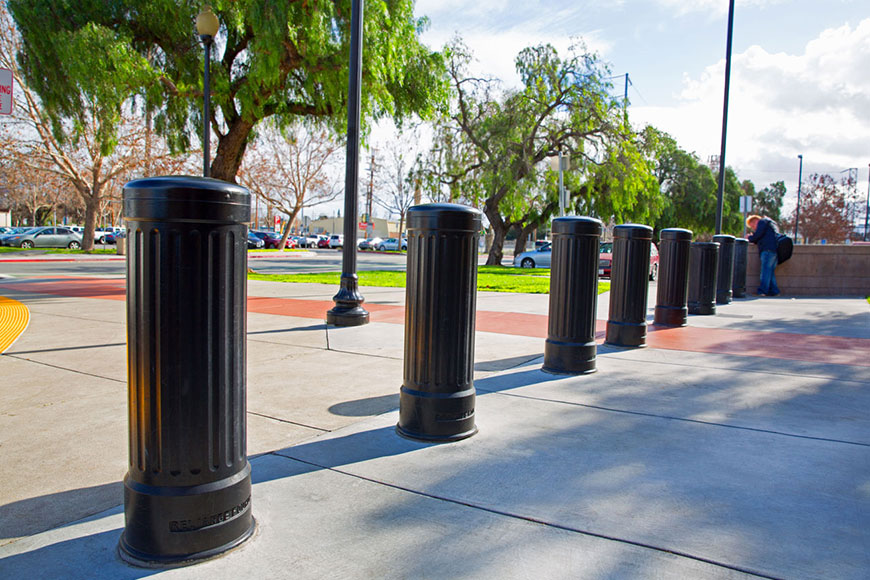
533, 520
321, 429
60, 368
674, 418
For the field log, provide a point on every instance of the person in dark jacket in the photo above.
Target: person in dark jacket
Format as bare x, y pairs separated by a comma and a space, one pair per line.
764, 236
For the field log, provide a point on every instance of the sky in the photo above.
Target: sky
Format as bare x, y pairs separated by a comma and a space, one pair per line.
799, 77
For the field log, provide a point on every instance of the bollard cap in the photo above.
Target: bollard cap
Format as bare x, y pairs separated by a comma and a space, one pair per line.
705, 245
578, 225
633, 232
723, 239
444, 216
676, 234
183, 198
741, 241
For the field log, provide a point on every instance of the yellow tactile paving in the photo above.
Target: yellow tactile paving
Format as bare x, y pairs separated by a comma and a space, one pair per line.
14, 318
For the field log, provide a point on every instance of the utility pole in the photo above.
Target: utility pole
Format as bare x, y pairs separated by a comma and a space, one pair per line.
797, 211
721, 189
625, 100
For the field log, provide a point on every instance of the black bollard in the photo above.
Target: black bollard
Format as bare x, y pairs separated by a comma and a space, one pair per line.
738, 284
436, 401
187, 493
673, 284
703, 271
629, 285
570, 347
725, 277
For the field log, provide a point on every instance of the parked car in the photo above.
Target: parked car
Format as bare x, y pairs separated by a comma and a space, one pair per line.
605, 260
11, 232
323, 242
45, 237
310, 241
254, 243
369, 243
391, 244
102, 235
537, 258
273, 240
336, 240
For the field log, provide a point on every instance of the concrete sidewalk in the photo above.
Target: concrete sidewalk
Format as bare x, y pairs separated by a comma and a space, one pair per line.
666, 463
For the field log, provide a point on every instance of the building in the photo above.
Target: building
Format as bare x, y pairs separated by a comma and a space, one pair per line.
335, 225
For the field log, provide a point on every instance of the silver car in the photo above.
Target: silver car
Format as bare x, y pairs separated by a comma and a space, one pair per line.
45, 237
539, 258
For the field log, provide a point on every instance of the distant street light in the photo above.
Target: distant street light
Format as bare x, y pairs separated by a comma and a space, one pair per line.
559, 163
207, 26
797, 213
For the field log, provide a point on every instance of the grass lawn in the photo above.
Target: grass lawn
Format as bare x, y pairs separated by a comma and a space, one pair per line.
489, 278
8, 250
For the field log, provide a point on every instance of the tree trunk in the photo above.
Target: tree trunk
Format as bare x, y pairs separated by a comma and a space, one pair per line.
230, 151
499, 230
522, 238
92, 205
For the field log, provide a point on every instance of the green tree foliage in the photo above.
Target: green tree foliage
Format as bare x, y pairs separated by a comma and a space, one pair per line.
768, 201
494, 141
279, 60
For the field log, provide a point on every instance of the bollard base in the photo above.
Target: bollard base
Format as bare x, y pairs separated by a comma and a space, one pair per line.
703, 309
177, 525
671, 316
355, 316
436, 417
569, 358
739, 293
142, 560
724, 297
626, 334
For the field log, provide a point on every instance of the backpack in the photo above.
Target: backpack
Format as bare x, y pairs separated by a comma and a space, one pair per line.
784, 247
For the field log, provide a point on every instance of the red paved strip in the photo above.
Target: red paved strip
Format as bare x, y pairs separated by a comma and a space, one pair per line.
777, 345
52, 260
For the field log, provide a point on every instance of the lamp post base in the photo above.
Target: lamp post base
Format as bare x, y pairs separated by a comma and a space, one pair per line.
348, 310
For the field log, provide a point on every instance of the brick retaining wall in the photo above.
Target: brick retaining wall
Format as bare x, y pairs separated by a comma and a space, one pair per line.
818, 270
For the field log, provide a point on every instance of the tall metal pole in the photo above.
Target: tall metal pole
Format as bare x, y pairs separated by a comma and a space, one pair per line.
562, 200
206, 105
721, 190
797, 211
348, 310
867, 207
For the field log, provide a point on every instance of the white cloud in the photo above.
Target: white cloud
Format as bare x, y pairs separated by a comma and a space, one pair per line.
816, 104
714, 8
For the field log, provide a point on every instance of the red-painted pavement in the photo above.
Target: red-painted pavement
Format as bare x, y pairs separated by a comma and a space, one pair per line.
778, 345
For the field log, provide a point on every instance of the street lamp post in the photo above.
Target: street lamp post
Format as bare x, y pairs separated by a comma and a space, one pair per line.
797, 213
867, 207
207, 26
720, 192
348, 310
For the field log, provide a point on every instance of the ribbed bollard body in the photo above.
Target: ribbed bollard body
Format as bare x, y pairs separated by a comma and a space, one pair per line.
436, 401
570, 347
673, 284
629, 285
738, 284
187, 493
703, 272
725, 276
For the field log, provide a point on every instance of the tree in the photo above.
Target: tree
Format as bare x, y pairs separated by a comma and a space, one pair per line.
496, 141
280, 60
88, 148
768, 201
824, 210
396, 177
292, 169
